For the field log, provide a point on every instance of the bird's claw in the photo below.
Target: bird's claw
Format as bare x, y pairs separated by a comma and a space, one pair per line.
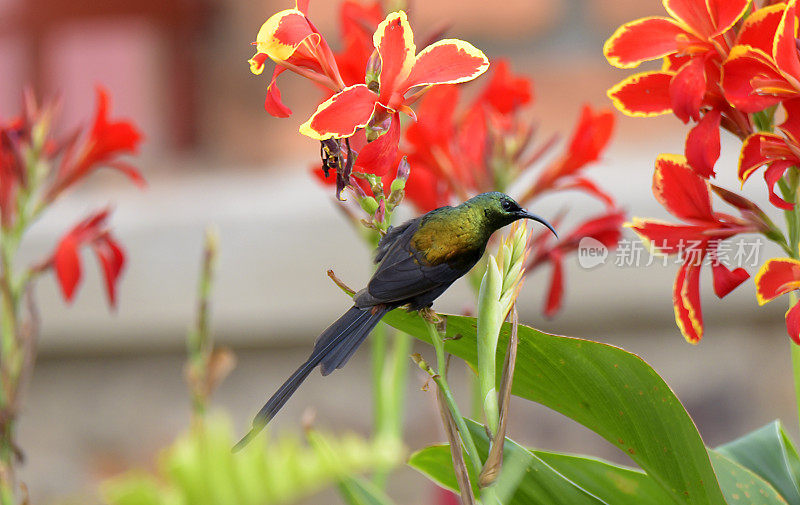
430, 315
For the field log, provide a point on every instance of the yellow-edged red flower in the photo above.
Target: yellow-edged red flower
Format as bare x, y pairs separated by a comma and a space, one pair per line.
780, 276
692, 43
292, 41
404, 75
687, 196
763, 68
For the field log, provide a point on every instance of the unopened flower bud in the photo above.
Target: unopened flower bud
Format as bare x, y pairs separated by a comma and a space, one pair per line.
373, 74
369, 204
380, 214
403, 171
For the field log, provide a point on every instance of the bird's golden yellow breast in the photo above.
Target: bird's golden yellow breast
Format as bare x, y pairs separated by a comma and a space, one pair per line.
441, 240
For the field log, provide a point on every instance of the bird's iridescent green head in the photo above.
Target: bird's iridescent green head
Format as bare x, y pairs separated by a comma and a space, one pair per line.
499, 210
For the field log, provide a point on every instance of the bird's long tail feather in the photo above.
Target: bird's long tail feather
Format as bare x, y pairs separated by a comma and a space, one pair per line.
332, 350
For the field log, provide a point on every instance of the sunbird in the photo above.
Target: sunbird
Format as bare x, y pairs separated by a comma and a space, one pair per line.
417, 262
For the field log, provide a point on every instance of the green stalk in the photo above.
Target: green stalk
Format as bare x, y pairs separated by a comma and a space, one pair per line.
390, 399
489, 323
795, 358
789, 188
441, 382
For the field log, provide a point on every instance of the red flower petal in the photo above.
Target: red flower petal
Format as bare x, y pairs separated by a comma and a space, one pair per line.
380, 155
67, 265
112, 260
793, 323
784, 50
583, 184
758, 29
555, 293
281, 35
748, 74
589, 139
424, 189
680, 190
726, 280
686, 300
506, 92
605, 228
791, 125
434, 118
447, 61
702, 144
687, 89
772, 175
776, 277
643, 95
342, 114
724, 13
395, 43
272, 103
750, 158
66, 259
693, 14
667, 238
642, 40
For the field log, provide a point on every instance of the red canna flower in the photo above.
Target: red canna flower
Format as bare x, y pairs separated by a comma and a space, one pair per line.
780, 276
588, 141
290, 40
93, 232
604, 229
402, 72
107, 140
687, 196
778, 153
692, 42
764, 67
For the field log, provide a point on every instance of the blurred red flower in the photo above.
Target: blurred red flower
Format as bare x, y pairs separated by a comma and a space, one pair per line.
92, 232
106, 141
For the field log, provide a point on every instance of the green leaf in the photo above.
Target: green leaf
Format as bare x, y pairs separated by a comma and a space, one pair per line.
615, 484
612, 392
539, 482
768, 452
740, 485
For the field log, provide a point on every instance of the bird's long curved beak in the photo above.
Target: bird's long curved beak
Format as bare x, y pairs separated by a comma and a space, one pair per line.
527, 215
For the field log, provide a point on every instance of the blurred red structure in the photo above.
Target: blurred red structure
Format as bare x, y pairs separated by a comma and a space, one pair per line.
179, 24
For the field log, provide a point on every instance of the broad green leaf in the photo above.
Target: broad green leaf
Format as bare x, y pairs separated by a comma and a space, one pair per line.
610, 391
539, 482
614, 483
740, 485
768, 452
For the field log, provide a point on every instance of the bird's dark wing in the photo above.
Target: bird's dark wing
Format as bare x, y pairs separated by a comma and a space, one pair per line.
403, 274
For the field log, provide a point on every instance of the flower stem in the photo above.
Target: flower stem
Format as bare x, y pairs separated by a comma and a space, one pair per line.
441, 381
389, 394
795, 350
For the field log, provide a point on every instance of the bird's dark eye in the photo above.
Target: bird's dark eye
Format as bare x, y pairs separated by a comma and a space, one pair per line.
507, 205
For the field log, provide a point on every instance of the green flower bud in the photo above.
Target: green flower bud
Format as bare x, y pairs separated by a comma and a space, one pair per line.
369, 204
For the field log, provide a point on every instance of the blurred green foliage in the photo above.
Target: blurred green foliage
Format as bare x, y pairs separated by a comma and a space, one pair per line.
200, 469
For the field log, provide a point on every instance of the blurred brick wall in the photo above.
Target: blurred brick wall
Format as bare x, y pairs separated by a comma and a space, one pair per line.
558, 43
